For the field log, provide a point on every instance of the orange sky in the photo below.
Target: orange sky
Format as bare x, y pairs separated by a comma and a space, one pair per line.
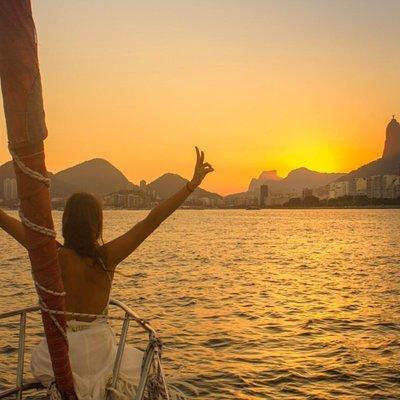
258, 84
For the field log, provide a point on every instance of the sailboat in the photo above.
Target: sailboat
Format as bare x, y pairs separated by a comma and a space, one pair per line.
26, 130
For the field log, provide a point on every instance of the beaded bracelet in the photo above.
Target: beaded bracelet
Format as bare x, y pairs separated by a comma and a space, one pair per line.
188, 187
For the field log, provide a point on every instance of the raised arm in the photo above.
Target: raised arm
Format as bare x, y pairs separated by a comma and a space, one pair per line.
13, 227
121, 247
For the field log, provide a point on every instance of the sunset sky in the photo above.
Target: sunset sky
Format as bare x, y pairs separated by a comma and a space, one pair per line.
257, 84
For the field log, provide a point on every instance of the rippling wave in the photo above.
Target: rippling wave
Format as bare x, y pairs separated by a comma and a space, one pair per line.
269, 304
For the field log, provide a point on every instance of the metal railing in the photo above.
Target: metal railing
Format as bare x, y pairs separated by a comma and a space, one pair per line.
152, 356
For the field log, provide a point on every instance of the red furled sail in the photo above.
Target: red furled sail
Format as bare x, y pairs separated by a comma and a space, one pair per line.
26, 129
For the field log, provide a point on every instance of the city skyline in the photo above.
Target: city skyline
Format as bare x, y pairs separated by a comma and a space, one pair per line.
391, 149
259, 85
378, 179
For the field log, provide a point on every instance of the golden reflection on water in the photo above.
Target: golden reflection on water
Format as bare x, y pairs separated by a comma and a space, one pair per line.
269, 304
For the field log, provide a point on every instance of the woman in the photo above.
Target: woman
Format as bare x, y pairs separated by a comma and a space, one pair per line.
87, 272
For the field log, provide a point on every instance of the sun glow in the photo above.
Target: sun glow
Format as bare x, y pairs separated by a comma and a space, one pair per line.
316, 157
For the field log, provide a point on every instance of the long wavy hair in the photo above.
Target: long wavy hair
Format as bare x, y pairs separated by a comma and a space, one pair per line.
82, 225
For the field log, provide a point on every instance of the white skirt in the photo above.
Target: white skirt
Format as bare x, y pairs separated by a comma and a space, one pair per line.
92, 351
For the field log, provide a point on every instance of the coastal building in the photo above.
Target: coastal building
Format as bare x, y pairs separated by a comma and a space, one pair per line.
134, 201
358, 187
14, 191
392, 190
108, 200
279, 199
307, 193
339, 189
143, 185
242, 200
10, 189
263, 195
205, 201
220, 202
114, 199
251, 201
121, 200
6, 189
322, 192
383, 186
374, 186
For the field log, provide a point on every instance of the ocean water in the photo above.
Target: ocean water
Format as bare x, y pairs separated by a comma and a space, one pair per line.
266, 304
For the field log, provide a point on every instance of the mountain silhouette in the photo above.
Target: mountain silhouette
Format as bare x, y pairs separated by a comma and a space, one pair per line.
295, 181
169, 183
265, 176
96, 176
381, 166
100, 177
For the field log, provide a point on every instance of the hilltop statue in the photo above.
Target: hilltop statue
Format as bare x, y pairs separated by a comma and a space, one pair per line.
392, 143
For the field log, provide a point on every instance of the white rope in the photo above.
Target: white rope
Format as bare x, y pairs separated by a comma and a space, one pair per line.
76, 314
124, 387
53, 393
37, 228
30, 172
42, 288
43, 306
30, 155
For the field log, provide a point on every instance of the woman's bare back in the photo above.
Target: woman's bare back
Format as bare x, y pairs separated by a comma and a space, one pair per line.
86, 283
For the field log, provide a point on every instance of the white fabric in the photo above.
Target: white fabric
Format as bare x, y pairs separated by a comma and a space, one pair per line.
92, 350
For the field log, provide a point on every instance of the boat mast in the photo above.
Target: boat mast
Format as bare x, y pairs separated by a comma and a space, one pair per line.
26, 130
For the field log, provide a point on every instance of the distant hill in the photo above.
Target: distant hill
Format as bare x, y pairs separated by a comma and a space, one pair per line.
167, 184
101, 177
265, 176
296, 181
381, 166
96, 176
60, 188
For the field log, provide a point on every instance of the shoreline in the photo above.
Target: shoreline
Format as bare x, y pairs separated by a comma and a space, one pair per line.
369, 207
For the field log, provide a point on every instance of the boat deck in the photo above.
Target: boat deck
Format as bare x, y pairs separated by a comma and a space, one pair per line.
25, 389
